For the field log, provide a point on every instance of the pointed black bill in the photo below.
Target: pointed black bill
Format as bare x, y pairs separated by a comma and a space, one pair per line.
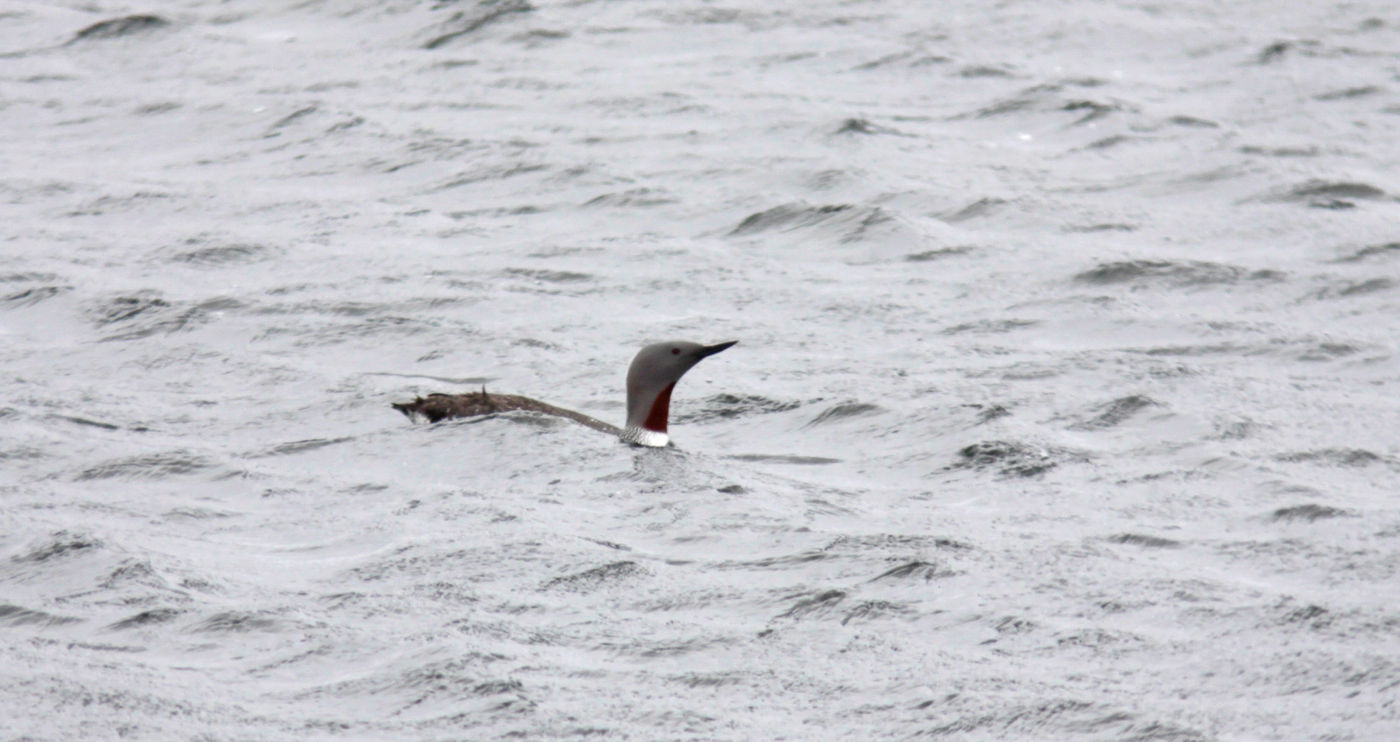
710, 350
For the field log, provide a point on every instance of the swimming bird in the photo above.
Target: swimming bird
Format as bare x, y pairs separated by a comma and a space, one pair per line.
650, 380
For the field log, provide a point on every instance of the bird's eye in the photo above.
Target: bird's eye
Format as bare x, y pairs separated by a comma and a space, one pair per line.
675, 351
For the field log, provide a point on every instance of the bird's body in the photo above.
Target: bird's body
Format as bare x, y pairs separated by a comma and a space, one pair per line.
436, 407
650, 381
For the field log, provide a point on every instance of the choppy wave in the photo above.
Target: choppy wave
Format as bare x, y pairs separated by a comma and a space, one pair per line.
1064, 406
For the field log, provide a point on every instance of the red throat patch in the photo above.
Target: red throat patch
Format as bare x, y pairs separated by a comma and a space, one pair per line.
656, 420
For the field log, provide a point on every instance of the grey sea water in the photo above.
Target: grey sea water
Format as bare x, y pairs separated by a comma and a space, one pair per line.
1065, 404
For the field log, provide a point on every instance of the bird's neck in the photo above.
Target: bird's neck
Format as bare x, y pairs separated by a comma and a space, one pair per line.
647, 425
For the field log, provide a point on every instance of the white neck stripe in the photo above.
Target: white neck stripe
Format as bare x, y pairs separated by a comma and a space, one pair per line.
644, 437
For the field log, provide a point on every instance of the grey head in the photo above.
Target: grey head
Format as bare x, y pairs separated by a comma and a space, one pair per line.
650, 379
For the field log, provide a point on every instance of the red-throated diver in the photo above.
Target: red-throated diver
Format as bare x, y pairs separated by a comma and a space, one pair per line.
650, 379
